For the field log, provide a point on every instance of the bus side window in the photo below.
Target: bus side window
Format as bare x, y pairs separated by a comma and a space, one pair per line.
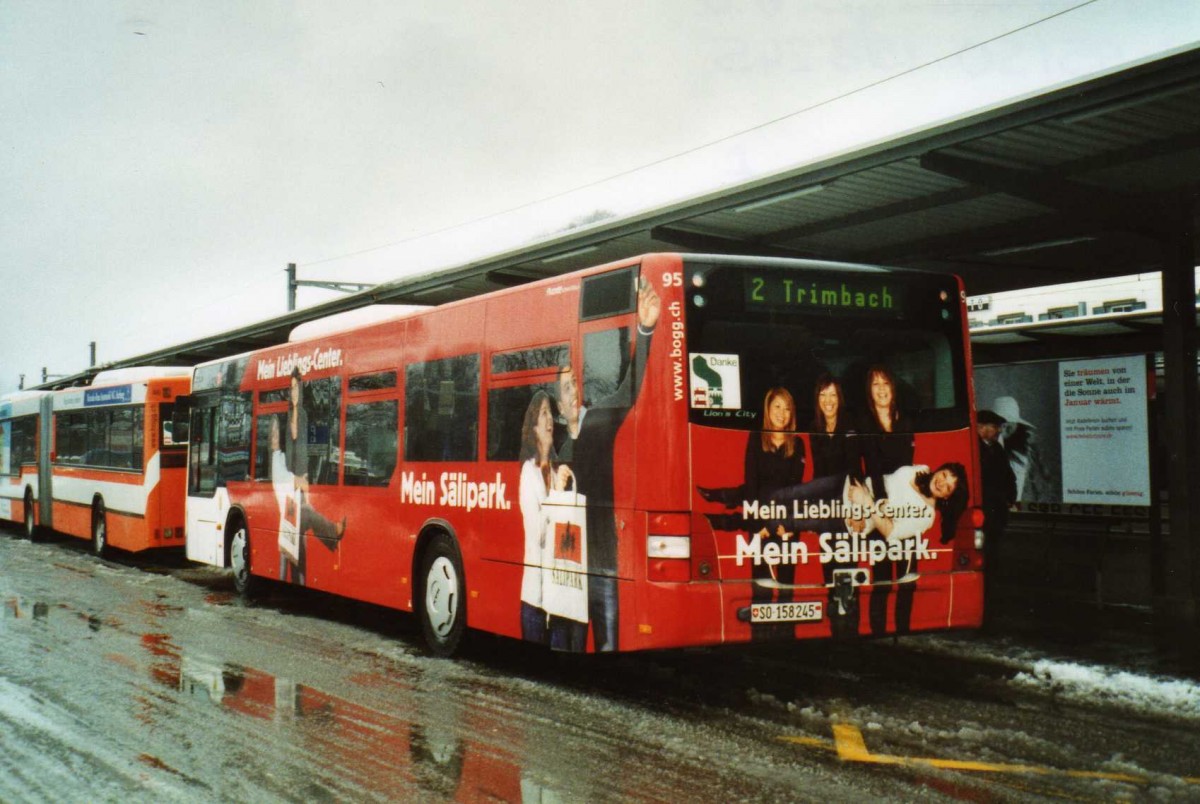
322, 400
441, 409
370, 457
121, 442
606, 368
506, 417
233, 438
609, 294
262, 443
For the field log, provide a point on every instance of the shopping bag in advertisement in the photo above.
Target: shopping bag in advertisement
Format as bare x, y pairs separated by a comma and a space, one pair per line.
564, 556
289, 526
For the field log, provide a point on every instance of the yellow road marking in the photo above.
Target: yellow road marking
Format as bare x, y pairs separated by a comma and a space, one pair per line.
850, 746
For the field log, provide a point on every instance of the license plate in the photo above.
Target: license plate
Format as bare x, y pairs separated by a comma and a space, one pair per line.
806, 611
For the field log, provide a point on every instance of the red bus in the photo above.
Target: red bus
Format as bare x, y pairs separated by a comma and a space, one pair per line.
117, 471
640, 455
24, 463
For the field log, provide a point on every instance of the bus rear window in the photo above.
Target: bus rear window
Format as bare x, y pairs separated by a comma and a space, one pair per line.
752, 330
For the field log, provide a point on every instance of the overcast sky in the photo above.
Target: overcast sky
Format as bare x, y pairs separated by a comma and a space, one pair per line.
162, 162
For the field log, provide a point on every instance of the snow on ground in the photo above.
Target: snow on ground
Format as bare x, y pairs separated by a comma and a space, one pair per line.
1037, 670
1093, 683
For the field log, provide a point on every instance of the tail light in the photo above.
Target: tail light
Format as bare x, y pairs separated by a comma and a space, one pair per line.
971, 559
977, 517
669, 548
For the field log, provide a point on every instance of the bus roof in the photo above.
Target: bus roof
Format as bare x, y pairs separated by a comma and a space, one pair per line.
140, 374
353, 319
20, 403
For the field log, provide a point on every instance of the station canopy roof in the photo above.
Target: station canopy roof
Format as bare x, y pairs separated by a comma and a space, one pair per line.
1080, 183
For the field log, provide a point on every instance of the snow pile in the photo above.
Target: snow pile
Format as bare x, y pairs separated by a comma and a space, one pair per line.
1093, 684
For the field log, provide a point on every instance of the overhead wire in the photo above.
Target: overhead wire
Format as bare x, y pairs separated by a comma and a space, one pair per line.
711, 143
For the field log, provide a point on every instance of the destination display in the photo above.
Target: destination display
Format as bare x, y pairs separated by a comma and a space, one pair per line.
846, 294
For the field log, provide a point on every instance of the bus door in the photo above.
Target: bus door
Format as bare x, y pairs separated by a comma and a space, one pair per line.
205, 507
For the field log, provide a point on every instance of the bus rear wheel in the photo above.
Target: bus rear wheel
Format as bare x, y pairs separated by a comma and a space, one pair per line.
239, 559
99, 529
443, 610
30, 523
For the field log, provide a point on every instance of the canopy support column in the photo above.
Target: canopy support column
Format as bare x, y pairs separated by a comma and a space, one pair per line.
1178, 600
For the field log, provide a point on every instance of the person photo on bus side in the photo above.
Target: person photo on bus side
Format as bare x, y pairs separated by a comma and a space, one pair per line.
885, 446
903, 508
286, 486
944, 490
539, 477
588, 448
291, 560
295, 448
774, 452
999, 487
774, 459
834, 454
889, 444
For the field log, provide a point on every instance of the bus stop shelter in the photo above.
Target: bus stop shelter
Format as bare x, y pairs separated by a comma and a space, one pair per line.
1094, 180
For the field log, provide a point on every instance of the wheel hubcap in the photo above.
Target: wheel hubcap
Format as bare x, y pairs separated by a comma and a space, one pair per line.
441, 596
237, 555
100, 534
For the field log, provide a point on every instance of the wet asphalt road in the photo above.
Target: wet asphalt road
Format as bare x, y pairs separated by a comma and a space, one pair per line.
149, 680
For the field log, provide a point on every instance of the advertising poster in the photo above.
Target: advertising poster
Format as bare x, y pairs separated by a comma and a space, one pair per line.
1026, 395
1077, 432
1105, 433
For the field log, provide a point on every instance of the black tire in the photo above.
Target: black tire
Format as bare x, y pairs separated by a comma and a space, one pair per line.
99, 529
441, 602
244, 581
29, 521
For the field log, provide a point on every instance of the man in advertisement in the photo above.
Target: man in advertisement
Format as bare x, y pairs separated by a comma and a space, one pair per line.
592, 433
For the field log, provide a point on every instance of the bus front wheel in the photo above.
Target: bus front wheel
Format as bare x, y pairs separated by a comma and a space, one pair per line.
99, 529
443, 610
239, 559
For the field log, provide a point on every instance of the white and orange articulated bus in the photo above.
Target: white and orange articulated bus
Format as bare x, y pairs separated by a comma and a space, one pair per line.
117, 467
24, 459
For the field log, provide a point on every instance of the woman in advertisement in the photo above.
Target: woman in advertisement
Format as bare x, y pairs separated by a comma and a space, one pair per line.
913, 493
898, 519
886, 446
834, 454
911, 496
774, 460
539, 476
889, 444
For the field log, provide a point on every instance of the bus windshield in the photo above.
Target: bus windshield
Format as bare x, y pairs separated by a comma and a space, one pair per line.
753, 327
